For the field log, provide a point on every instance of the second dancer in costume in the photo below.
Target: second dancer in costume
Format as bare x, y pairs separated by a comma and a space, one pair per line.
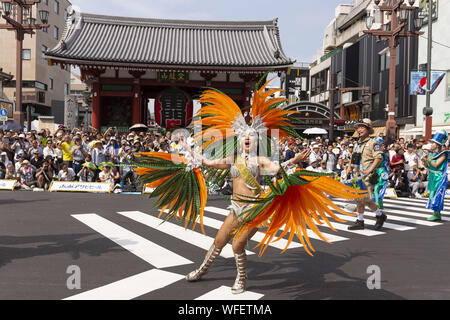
437, 162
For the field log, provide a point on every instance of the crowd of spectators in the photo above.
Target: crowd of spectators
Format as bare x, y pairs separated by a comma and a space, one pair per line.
37, 158
406, 158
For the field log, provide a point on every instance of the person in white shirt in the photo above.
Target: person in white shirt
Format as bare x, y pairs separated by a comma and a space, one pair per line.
323, 168
106, 175
411, 158
66, 173
314, 156
314, 166
50, 150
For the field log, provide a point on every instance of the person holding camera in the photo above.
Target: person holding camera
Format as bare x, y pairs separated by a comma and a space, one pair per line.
417, 181
45, 175
366, 158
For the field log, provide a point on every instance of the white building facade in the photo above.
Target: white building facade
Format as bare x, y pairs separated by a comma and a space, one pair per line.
440, 100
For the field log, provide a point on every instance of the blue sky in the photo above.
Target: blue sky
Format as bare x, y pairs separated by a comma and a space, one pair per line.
301, 22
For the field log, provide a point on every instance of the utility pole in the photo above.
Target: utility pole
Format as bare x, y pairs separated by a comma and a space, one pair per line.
392, 32
14, 15
332, 103
428, 110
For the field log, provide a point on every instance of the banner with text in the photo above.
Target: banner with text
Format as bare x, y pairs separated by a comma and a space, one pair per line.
8, 184
91, 187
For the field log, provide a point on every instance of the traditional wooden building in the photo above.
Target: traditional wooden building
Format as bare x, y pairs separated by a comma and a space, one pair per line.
130, 60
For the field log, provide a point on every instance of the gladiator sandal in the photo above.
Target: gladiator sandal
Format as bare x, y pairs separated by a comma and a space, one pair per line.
241, 279
210, 257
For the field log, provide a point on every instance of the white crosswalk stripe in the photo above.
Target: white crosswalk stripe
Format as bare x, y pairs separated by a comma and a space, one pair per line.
390, 215
147, 250
403, 215
413, 204
192, 237
312, 235
132, 287
224, 293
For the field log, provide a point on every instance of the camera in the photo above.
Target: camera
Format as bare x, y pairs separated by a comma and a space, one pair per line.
356, 159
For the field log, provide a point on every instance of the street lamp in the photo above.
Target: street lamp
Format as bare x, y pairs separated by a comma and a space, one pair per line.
394, 30
7, 8
369, 22
43, 15
21, 23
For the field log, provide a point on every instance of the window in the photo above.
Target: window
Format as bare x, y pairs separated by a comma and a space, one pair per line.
397, 99
56, 32
66, 89
339, 80
45, 2
50, 84
397, 61
56, 7
66, 14
382, 64
26, 54
376, 101
44, 50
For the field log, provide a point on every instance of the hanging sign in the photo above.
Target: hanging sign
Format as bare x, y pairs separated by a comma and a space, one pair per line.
173, 76
173, 109
418, 83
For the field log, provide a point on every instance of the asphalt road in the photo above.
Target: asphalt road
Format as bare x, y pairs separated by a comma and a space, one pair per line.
40, 238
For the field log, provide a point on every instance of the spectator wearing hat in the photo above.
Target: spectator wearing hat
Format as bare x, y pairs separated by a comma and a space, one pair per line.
323, 168
366, 158
437, 162
35, 146
27, 174
87, 173
36, 160
107, 175
20, 147
315, 165
3, 164
314, 153
11, 173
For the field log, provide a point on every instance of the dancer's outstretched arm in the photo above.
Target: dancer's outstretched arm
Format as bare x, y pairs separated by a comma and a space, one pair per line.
272, 168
